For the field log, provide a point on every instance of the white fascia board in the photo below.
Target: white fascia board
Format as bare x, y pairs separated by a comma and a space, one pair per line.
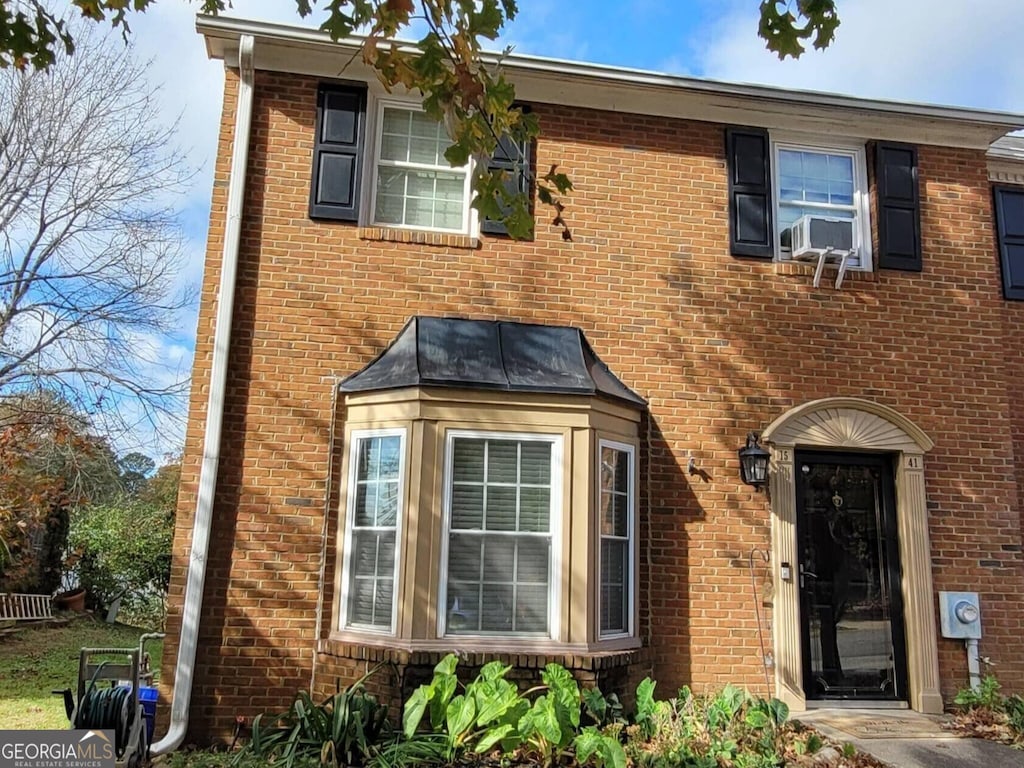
308, 51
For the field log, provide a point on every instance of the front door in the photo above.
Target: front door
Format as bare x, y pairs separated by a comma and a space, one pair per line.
849, 574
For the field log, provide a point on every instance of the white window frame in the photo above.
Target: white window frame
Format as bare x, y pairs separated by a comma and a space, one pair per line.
355, 440
631, 568
555, 575
861, 192
372, 163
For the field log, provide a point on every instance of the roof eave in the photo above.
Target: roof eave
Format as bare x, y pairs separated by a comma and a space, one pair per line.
308, 51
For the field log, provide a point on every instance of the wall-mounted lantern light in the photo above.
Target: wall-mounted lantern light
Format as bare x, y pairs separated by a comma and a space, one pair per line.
754, 462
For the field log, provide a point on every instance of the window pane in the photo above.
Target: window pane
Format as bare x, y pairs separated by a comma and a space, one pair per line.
536, 463
497, 608
533, 558
394, 147
532, 609
464, 554
468, 507
425, 151
499, 558
448, 215
366, 504
468, 461
501, 508
463, 614
534, 509
503, 461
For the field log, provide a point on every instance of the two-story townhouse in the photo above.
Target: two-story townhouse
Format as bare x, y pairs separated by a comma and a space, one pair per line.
410, 434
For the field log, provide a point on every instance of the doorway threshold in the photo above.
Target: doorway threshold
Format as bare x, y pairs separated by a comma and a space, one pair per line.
856, 704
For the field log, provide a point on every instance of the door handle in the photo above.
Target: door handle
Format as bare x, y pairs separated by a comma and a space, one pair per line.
803, 573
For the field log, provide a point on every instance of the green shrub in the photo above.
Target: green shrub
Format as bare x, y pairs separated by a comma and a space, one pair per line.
729, 728
543, 724
345, 729
986, 697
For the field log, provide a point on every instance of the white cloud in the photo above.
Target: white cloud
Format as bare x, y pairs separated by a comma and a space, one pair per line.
911, 50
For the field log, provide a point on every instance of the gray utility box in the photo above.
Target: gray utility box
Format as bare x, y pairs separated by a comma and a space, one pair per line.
813, 235
960, 615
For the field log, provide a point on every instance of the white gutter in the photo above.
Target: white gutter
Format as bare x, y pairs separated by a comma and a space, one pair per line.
189, 639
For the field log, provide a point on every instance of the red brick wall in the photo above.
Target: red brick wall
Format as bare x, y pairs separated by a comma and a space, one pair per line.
718, 345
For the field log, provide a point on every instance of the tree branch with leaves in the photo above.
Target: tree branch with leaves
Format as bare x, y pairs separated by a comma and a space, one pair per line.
473, 99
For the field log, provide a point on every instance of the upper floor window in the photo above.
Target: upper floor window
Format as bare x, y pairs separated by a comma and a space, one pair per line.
414, 186
381, 162
774, 180
822, 181
372, 525
502, 505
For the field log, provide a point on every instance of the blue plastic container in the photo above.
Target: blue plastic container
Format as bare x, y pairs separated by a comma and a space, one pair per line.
148, 698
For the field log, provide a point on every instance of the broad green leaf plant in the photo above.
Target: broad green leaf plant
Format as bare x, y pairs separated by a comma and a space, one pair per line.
461, 87
490, 713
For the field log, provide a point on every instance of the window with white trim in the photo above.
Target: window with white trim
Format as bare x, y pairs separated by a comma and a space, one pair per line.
502, 506
372, 525
616, 502
414, 186
821, 181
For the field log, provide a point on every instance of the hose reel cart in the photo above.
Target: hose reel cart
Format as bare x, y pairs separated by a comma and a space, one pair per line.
108, 699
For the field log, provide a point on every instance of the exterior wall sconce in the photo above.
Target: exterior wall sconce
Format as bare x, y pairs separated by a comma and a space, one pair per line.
754, 462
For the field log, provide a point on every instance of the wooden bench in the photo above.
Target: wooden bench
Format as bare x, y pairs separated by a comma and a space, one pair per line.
22, 607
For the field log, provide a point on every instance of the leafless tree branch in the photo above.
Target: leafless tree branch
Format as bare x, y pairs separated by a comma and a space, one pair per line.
90, 247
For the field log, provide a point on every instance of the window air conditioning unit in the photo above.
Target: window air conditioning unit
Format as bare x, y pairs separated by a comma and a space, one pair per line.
823, 239
813, 235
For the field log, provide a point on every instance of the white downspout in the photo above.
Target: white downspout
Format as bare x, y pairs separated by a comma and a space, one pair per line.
188, 641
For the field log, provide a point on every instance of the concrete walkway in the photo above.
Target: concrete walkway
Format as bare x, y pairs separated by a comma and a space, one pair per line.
907, 739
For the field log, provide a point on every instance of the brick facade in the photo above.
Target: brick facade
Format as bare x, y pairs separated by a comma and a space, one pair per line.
718, 345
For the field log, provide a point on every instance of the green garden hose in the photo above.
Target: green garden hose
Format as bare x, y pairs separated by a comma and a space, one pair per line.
107, 709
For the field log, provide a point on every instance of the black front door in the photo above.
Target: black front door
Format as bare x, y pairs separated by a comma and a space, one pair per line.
849, 573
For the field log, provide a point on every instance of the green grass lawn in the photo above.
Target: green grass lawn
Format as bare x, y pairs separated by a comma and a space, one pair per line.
40, 659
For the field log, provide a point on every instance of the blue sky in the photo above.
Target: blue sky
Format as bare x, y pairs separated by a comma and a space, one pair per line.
934, 51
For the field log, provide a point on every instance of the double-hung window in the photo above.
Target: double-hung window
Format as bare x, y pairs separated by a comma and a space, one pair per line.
414, 186
373, 524
502, 504
822, 181
616, 502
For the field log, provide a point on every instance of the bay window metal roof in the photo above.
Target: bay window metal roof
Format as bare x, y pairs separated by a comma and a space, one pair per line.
492, 355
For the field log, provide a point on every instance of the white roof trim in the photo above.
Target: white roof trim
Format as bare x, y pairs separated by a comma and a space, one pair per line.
308, 51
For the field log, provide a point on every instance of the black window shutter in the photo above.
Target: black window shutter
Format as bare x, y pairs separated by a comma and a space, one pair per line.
899, 207
514, 158
748, 156
1009, 203
338, 152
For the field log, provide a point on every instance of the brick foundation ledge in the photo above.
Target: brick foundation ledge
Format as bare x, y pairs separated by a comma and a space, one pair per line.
402, 670
589, 660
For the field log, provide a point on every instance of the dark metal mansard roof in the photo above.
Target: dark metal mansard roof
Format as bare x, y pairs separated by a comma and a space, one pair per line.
487, 354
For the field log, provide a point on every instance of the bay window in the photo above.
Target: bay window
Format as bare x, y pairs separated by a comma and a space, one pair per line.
500, 521
616, 522
373, 522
